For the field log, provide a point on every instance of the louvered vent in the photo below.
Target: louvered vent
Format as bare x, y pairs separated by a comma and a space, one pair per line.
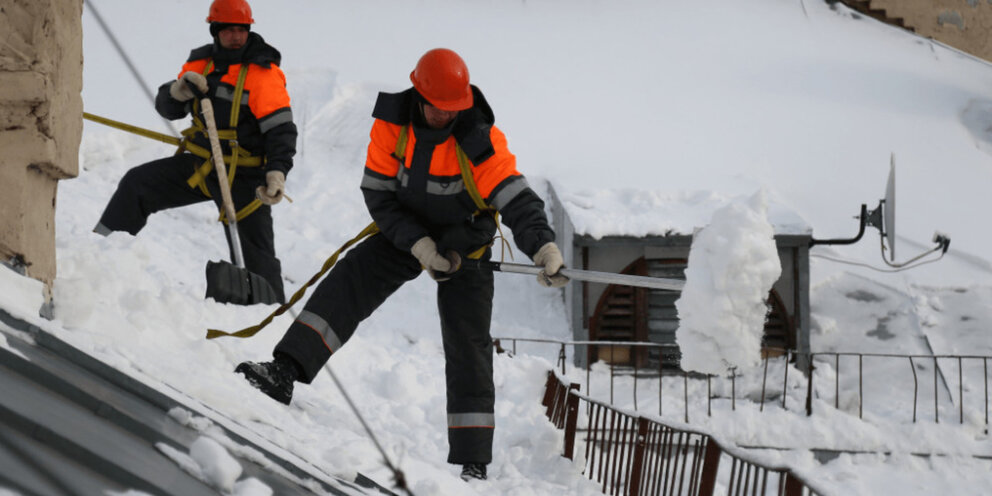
628, 314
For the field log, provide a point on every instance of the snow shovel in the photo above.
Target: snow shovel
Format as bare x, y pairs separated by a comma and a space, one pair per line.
226, 282
584, 275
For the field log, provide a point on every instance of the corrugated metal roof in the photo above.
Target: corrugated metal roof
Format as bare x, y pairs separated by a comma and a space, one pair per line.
72, 425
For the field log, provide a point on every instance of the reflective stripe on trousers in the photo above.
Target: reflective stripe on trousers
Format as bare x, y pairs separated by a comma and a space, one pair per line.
318, 324
467, 420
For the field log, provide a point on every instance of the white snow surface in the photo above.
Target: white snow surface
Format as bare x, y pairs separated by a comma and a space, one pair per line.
646, 117
21, 293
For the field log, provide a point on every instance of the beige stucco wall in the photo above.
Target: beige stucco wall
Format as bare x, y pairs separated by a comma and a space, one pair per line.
962, 24
41, 77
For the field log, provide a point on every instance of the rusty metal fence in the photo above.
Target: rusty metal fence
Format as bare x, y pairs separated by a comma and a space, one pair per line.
634, 455
962, 381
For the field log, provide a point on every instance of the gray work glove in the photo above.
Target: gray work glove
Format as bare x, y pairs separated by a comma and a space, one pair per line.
550, 259
274, 189
180, 89
438, 266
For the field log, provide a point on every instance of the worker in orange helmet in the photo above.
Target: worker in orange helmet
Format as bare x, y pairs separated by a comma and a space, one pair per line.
431, 146
239, 72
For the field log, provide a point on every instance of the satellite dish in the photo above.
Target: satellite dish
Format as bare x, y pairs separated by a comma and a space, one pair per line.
890, 209
883, 218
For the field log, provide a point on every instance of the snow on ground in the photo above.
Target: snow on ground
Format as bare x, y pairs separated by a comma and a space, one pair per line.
623, 106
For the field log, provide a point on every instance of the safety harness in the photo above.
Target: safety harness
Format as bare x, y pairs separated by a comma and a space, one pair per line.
238, 157
465, 166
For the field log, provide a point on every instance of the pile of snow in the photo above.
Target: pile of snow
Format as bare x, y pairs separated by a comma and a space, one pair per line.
733, 263
210, 462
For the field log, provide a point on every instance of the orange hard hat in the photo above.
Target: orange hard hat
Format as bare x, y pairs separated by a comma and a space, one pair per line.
441, 77
230, 12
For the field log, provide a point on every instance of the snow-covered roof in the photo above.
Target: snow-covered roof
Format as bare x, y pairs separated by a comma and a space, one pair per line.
639, 212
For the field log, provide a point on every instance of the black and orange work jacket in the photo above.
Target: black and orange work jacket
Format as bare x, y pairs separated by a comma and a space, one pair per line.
425, 195
265, 125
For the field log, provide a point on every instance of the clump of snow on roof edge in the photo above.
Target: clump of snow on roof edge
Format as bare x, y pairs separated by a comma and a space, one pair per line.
733, 263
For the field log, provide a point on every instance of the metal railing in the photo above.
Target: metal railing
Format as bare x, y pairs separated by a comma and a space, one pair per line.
634, 455
641, 374
914, 361
971, 367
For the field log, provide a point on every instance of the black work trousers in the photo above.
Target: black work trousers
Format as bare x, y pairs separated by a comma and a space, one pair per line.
161, 184
360, 282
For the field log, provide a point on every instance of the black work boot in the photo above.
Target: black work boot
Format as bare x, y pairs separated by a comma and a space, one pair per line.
273, 378
473, 471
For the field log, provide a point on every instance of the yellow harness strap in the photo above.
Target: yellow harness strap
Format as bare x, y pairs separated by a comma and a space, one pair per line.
164, 138
248, 332
233, 123
238, 156
465, 165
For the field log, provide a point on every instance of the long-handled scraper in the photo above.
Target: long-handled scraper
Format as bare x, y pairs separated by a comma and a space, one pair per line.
585, 275
228, 283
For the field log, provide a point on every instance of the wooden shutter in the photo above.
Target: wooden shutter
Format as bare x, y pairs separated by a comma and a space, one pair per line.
624, 313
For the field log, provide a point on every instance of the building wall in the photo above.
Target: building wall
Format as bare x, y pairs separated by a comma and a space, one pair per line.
962, 24
41, 78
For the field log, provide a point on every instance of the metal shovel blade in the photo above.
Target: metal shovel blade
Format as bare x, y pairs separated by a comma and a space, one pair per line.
228, 283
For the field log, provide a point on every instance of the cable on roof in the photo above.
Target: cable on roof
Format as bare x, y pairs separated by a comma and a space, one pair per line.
127, 60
